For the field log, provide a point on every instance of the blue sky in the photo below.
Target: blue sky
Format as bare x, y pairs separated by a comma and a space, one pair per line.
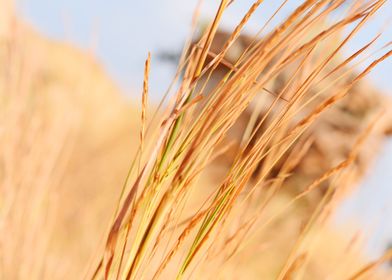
122, 32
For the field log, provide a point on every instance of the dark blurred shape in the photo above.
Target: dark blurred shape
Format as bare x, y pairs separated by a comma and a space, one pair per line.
171, 57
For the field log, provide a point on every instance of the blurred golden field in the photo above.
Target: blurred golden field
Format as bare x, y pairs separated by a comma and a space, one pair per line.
68, 138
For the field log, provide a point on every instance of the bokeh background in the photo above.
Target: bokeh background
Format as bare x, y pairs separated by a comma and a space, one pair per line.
121, 32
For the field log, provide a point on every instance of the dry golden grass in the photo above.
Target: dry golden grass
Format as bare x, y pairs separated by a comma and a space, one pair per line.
149, 237
62, 149
67, 138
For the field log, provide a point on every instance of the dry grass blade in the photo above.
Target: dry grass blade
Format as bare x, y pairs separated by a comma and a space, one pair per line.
144, 103
371, 266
